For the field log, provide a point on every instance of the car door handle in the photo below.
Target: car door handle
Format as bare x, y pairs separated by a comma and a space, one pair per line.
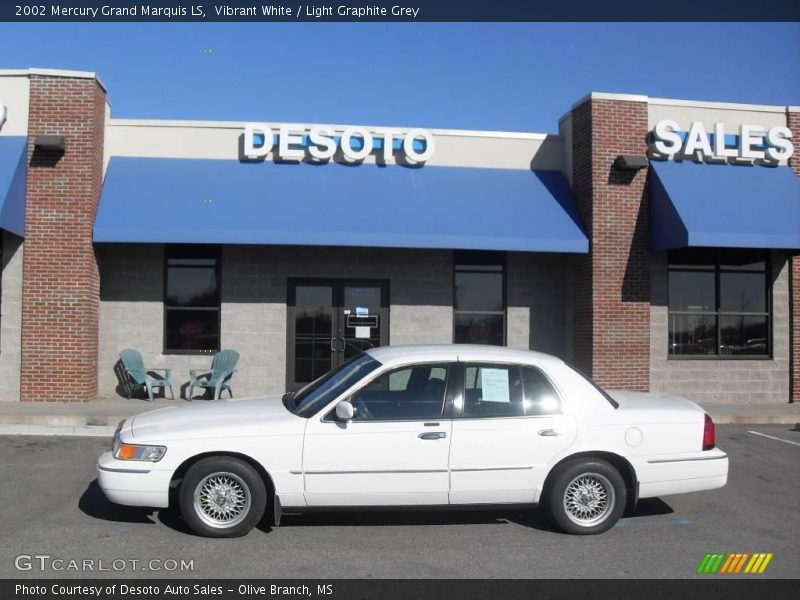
432, 435
549, 432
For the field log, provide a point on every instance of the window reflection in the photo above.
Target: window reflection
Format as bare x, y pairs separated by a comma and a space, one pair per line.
693, 334
718, 303
479, 329
692, 290
313, 327
191, 299
479, 299
743, 335
479, 291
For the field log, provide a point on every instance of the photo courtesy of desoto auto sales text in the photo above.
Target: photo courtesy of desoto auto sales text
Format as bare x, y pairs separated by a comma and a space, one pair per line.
399, 301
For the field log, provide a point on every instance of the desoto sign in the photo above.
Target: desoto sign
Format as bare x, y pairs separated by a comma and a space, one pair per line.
322, 142
750, 142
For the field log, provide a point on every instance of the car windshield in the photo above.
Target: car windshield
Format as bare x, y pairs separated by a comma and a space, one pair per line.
311, 398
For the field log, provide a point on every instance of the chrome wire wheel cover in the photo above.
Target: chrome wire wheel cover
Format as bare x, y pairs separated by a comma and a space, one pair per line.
222, 499
588, 499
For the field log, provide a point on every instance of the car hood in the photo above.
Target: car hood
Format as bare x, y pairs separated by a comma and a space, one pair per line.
237, 417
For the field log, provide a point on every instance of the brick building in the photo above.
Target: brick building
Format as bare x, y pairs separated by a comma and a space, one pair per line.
651, 242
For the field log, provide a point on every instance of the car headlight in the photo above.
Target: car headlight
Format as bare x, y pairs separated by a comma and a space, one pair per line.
115, 437
123, 451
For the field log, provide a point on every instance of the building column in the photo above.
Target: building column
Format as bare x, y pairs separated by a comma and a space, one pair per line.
60, 289
611, 286
793, 122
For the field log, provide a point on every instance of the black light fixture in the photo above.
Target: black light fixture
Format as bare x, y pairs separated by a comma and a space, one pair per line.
52, 143
631, 162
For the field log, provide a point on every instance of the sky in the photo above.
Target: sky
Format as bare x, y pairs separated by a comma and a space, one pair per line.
502, 77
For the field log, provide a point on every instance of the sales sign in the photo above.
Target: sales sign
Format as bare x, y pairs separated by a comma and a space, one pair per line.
750, 142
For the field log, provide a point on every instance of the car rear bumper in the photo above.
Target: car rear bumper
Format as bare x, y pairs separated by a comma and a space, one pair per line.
677, 474
133, 483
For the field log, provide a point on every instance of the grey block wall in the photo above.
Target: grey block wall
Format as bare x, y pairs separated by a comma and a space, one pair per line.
721, 381
10, 316
536, 298
254, 294
254, 297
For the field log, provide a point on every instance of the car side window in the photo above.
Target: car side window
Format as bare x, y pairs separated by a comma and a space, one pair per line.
492, 391
415, 392
540, 397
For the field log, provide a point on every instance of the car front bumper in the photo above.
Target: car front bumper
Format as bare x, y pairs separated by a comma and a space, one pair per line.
133, 483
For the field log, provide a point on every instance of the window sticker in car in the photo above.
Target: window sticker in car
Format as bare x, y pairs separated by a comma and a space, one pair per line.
494, 385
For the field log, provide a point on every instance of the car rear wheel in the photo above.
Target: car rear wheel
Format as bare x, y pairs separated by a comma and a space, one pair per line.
587, 496
222, 496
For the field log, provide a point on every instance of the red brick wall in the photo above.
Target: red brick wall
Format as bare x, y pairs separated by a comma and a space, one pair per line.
60, 290
793, 120
581, 266
611, 296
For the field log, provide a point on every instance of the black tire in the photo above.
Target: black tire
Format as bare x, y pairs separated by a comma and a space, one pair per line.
601, 477
232, 477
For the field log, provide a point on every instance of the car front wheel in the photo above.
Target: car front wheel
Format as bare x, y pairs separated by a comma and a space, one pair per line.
587, 496
222, 496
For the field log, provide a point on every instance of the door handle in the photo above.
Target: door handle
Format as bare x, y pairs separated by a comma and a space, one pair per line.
549, 432
432, 435
333, 344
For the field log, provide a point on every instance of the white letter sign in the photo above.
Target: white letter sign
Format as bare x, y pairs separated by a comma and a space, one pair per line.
321, 142
408, 145
347, 143
665, 140
250, 132
753, 143
778, 145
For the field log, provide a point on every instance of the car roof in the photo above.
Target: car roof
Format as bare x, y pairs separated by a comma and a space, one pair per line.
464, 352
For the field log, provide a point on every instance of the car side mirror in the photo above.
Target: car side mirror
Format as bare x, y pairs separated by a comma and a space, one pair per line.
345, 411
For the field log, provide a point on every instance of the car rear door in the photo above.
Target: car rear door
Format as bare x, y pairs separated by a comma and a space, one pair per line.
395, 450
507, 427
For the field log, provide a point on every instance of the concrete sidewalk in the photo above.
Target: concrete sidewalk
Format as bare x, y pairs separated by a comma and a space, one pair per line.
100, 417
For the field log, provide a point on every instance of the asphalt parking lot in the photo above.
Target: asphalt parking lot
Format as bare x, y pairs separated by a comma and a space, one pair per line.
51, 506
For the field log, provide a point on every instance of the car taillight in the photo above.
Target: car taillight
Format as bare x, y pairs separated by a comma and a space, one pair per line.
708, 434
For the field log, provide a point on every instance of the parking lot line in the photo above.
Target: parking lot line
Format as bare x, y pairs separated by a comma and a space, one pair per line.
772, 437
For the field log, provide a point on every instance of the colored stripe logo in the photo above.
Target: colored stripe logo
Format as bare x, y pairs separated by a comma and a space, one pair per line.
734, 563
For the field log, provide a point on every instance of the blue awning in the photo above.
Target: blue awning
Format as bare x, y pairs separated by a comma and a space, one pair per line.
13, 173
231, 202
725, 206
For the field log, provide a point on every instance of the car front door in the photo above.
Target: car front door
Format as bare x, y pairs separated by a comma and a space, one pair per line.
507, 428
393, 452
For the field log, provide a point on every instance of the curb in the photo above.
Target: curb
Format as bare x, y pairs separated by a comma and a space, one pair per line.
67, 430
753, 420
64, 420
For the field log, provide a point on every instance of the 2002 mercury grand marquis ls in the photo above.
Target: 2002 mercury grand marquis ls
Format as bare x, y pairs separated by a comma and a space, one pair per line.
417, 426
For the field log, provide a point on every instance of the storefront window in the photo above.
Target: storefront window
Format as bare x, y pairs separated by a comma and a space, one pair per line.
479, 303
191, 299
718, 303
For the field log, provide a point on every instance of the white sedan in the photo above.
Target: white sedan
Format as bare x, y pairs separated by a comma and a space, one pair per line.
417, 426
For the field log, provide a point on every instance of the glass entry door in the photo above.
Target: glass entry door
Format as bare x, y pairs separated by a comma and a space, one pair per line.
330, 321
